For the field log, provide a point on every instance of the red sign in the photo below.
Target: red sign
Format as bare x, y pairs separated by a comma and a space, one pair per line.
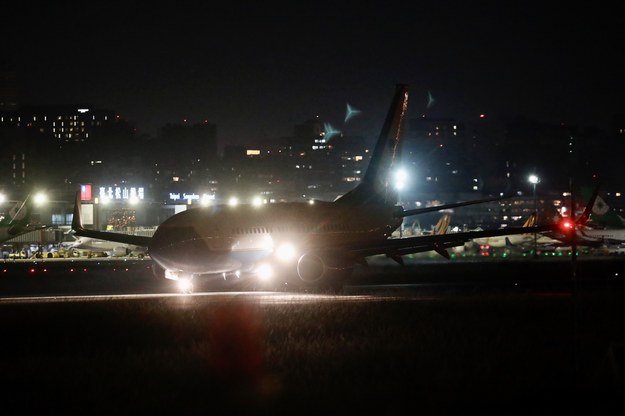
85, 192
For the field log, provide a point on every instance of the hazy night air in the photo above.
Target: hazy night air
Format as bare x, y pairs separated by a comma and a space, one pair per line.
256, 70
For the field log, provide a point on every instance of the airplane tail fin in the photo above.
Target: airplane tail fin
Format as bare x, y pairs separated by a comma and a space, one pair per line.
20, 218
77, 217
21, 211
601, 213
442, 225
569, 224
377, 184
531, 221
583, 219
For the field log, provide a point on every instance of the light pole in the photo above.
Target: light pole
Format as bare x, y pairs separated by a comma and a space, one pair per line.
533, 179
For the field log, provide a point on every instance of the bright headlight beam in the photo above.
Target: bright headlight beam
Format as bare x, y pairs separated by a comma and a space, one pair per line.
185, 285
285, 252
401, 177
264, 271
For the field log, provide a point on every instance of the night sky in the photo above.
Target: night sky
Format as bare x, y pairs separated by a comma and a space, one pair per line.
257, 69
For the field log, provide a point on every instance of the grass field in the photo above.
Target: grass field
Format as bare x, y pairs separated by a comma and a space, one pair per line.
497, 354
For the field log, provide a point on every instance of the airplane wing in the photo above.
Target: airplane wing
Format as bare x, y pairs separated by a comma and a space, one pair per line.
19, 229
417, 211
79, 230
397, 247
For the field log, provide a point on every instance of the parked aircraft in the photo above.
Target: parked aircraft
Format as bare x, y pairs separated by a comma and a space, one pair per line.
508, 240
602, 235
597, 235
18, 221
110, 248
309, 245
441, 227
602, 215
605, 225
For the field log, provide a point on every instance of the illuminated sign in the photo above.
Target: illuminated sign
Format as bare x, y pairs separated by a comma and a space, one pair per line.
86, 212
120, 193
188, 197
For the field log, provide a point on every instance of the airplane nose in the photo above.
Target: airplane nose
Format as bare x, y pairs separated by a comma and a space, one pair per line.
186, 249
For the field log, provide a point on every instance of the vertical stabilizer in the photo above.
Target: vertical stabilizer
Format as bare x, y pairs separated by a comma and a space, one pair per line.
19, 220
602, 214
590, 207
531, 221
20, 213
377, 183
442, 225
77, 218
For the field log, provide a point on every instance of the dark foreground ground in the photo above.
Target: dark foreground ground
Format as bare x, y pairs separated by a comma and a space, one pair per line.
523, 348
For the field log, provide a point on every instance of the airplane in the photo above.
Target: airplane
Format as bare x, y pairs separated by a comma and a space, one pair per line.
430, 100
593, 236
441, 227
507, 241
602, 235
18, 221
350, 112
110, 248
307, 245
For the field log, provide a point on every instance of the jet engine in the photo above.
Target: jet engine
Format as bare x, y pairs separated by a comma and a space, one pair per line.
323, 271
311, 268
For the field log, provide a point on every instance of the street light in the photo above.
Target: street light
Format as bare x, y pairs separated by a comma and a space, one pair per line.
40, 198
533, 179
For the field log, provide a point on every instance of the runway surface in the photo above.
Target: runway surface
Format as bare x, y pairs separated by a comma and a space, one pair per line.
512, 337
114, 276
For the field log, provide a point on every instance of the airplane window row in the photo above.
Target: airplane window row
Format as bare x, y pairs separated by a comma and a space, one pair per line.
287, 228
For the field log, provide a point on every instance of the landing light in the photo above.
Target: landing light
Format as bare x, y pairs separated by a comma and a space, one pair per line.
285, 252
185, 285
401, 177
264, 272
171, 275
